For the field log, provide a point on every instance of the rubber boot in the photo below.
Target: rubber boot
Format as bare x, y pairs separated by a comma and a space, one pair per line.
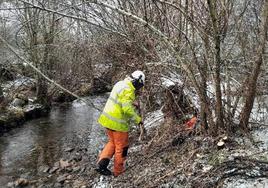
102, 167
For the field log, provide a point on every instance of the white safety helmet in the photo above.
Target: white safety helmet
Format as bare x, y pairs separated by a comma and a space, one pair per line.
138, 75
138, 79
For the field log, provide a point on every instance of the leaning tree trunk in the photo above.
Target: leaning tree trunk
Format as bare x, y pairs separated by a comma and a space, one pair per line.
251, 89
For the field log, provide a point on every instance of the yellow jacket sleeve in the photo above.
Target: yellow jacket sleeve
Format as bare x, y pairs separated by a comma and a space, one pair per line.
126, 98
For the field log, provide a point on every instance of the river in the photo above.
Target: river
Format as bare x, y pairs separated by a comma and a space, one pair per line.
41, 141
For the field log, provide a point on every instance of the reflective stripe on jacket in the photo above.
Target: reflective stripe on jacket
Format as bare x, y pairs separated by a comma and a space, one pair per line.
118, 110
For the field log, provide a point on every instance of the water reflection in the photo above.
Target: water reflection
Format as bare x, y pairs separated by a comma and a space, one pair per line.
16, 148
41, 141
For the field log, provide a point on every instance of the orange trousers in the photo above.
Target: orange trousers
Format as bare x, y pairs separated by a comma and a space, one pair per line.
117, 146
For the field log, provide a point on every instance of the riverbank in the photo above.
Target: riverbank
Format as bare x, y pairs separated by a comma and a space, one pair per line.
20, 100
20, 104
168, 156
14, 117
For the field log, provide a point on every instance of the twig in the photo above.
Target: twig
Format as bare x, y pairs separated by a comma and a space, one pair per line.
73, 17
166, 175
256, 123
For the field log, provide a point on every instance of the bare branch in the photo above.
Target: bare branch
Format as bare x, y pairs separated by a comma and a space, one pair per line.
73, 17
184, 14
90, 103
164, 38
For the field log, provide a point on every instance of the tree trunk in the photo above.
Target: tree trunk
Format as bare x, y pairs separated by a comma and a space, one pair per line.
2, 98
1, 94
45, 67
219, 107
204, 104
217, 66
252, 84
41, 91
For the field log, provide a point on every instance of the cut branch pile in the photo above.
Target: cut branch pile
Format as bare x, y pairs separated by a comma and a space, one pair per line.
244, 167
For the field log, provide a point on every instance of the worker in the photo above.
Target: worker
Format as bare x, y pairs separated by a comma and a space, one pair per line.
116, 117
190, 124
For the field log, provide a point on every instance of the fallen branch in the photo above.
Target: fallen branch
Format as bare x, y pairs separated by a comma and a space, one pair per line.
256, 123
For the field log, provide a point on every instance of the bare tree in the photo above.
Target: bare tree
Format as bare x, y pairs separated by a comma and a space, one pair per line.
253, 78
204, 41
39, 30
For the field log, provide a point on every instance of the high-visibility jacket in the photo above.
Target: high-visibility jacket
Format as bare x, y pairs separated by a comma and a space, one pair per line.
119, 110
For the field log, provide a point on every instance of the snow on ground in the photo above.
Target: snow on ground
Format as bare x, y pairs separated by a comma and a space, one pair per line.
153, 119
31, 107
102, 183
167, 82
171, 79
246, 183
193, 96
135, 148
260, 135
259, 112
15, 84
175, 79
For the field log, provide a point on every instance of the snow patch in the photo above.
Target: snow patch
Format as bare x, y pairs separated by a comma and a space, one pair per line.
153, 119
171, 80
32, 107
15, 84
243, 183
261, 136
167, 82
135, 148
260, 110
193, 97
102, 183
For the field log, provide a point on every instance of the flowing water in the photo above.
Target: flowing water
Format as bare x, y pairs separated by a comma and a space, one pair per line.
41, 141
